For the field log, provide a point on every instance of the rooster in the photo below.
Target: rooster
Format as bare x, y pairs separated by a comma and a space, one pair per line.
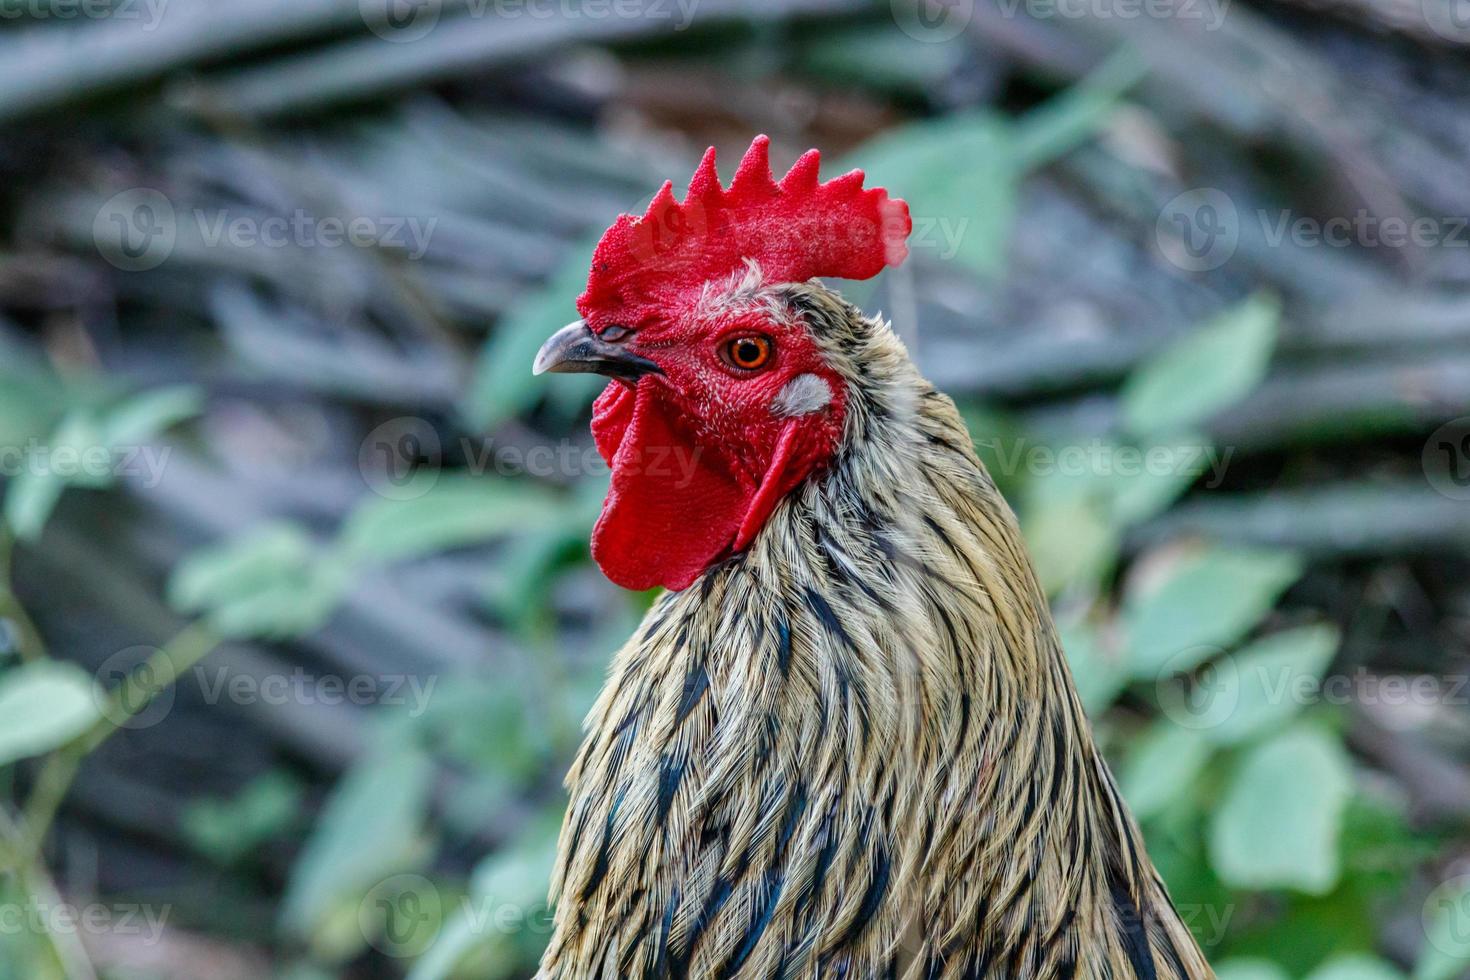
845, 741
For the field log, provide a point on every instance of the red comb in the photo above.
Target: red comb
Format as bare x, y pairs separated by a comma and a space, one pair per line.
795, 229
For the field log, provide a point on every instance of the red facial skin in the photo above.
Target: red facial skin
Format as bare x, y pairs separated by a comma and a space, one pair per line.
700, 459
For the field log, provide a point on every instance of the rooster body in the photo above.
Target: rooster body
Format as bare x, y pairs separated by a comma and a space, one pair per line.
852, 747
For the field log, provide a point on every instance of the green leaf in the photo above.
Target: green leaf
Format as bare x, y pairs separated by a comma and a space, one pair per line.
874, 56
1168, 467
1161, 767
1279, 823
43, 706
503, 386
29, 502
1264, 684
1249, 968
492, 724
79, 452
267, 556
1203, 373
964, 213
960, 213
148, 413
67, 458
1209, 599
453, 513
1072, 542
512, 880
1070, 119
31, 399
1097, 673
266, 583
462, 934
520, 873
227, 830
1446, 918
281, 611
1357, 966
369, 829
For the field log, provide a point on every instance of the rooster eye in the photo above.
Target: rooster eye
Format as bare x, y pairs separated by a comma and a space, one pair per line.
748, 353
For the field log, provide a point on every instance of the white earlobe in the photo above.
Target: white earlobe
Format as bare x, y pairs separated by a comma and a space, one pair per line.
803, 394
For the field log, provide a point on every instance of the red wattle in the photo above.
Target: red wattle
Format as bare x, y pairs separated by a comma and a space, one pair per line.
671, 509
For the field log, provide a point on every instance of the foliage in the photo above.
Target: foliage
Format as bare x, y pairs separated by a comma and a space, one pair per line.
1199, 658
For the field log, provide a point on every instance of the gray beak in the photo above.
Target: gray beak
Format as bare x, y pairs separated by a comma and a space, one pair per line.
575, 349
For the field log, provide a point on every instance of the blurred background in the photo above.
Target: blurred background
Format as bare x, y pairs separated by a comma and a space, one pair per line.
297, 623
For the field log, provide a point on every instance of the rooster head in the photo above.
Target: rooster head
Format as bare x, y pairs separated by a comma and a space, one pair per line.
723, 398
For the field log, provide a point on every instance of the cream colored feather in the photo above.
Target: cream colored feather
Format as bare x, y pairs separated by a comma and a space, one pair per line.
855, 750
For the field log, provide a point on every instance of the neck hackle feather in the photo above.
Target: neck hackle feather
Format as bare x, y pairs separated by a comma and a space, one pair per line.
853, 749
